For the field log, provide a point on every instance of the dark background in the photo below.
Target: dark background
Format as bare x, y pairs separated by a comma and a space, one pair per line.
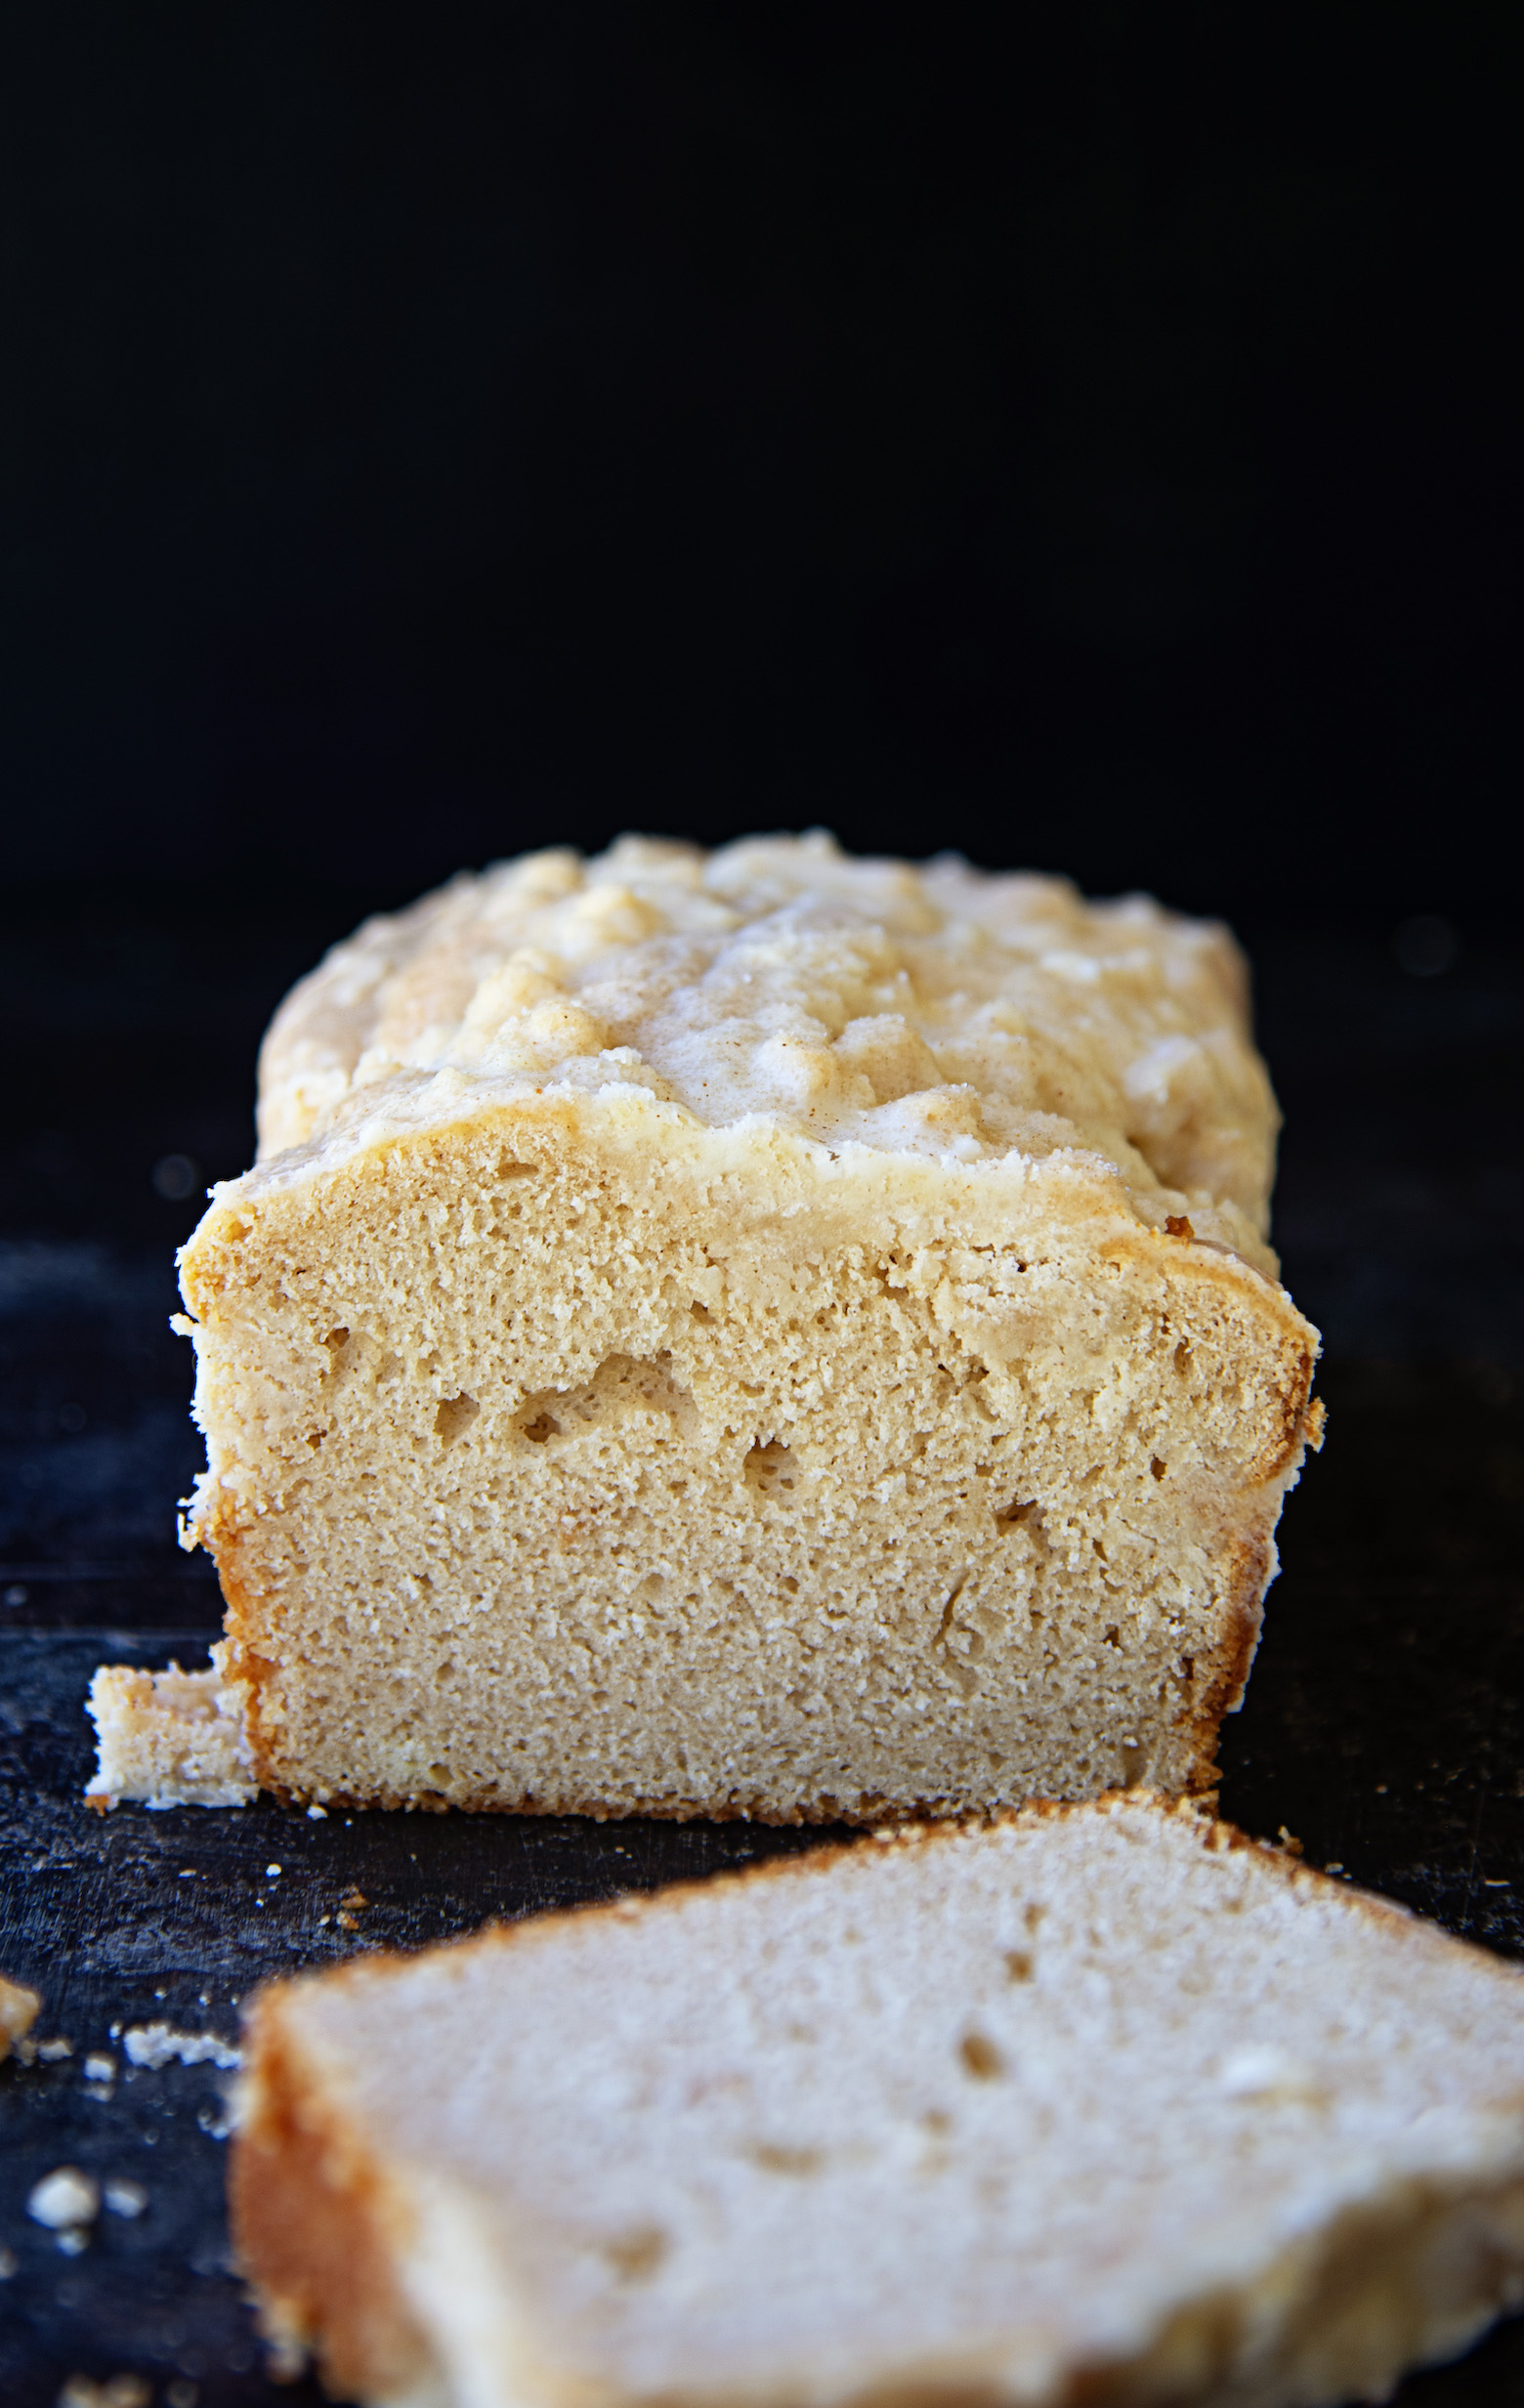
1084, 436
1088, 438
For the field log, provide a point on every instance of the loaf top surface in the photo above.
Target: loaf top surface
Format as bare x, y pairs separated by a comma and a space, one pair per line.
940, 1011
1073, 2071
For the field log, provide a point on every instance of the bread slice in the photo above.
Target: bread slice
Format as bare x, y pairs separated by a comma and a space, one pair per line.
749, 1334
1103, 2103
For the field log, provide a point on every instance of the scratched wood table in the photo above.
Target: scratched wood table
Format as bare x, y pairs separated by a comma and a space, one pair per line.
1385, 1726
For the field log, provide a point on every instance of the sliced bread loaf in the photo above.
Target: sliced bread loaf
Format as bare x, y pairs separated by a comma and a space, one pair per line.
1102, 2103
753, 1333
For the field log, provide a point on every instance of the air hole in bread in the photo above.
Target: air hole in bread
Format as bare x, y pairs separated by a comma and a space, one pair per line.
635, 2255
775, 2160
1016, 1512
453, 1414
621, 1384
1018, 1963
1157, 1467
982, 2059
771, 1471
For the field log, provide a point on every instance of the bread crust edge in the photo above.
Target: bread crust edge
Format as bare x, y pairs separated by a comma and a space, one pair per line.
316, 2226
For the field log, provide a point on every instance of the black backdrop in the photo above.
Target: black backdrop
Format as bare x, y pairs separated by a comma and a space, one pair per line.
1081, 436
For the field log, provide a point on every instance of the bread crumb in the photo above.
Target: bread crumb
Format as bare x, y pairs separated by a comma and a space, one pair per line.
155, 2045
65, 2198
116, 2392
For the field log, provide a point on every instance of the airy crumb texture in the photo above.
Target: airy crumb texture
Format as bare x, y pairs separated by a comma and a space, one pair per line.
18, 2011
1101, 2102
168, 1739
752, 1333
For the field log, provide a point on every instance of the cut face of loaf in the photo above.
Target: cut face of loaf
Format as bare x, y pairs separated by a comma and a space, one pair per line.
1103, 2104
700, 1415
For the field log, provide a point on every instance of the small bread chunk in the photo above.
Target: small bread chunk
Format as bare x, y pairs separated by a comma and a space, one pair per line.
748, 1333
18, 2011
1098, 2103
168, 1739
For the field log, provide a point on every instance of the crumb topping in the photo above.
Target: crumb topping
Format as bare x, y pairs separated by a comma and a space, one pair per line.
940, 1010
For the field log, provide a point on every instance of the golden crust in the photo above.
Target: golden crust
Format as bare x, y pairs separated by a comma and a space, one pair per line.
316, 2223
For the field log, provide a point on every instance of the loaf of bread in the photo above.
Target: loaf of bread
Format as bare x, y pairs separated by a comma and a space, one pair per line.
750, 1333
1101, 2103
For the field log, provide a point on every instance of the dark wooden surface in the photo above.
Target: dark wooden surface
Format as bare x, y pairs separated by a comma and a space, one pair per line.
1384, 1723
